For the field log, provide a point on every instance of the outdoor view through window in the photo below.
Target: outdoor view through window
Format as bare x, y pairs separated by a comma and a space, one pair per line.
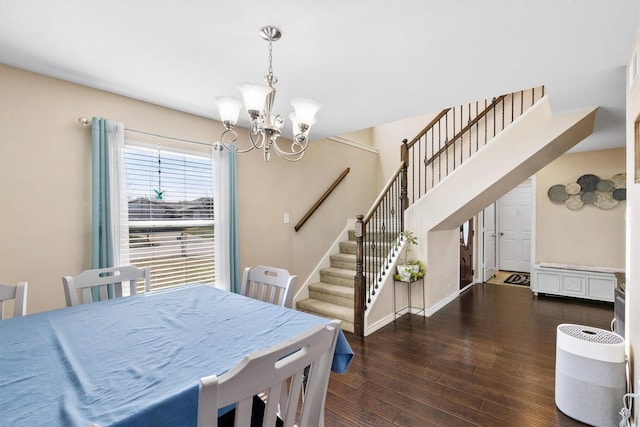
170, 204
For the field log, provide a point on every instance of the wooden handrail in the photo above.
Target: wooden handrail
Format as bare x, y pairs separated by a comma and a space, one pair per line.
464, 129
431, 124
384, 191
321, 199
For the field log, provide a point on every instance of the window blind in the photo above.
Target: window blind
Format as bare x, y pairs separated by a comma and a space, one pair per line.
170, 207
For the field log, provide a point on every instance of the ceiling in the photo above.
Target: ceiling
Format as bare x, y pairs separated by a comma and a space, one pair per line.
368, 62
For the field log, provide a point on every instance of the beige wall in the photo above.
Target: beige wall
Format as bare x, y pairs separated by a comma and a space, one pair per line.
388, 138
589, 236
632, 317
45, 184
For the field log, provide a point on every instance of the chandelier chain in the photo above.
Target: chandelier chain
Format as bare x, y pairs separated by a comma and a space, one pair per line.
270, 78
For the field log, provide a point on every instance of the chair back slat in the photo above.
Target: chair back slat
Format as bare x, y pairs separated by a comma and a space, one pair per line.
298, 367
17, 293
102, 278
269, 284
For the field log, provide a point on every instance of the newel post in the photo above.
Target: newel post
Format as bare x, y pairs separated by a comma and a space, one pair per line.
404, 197
359, 281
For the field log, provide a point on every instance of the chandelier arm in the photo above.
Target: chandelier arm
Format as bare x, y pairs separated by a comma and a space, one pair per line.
227, 144
289, 158
304, 145
257, 139
293, 155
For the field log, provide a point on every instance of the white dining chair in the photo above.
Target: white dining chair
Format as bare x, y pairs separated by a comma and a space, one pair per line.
287, 373
17, 293
77, 289
269, 284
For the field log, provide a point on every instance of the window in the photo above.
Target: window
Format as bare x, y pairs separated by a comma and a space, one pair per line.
170, 206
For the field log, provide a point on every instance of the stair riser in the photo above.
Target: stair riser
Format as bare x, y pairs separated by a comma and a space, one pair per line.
346, 324
386, 234
330, 298
345, 264
337, 280
351, 248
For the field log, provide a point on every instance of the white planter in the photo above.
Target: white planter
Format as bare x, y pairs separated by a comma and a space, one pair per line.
404, 271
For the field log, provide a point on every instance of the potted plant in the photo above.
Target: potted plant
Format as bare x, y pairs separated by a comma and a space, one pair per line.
409, 270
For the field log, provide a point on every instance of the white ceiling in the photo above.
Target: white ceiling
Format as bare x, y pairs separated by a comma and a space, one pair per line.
368, 62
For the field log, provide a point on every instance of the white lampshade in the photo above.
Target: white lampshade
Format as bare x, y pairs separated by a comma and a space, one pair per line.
306, 110
254, 95
229, 108
296, 125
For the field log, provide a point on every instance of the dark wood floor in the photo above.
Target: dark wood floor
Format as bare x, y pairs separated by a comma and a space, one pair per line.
486, 359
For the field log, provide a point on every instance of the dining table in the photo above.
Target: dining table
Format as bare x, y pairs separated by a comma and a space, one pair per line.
136, 361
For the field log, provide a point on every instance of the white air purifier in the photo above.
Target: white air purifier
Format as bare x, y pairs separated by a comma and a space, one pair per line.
590, 374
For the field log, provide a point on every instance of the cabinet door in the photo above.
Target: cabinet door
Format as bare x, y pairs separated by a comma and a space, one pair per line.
601, 288
573, 285
548, 283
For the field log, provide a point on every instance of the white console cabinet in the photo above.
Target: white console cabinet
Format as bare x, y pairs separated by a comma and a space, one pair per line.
574, 281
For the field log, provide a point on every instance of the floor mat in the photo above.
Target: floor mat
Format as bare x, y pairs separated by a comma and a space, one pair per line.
518, 279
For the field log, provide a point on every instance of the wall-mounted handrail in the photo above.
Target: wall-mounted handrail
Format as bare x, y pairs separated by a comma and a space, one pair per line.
322, 198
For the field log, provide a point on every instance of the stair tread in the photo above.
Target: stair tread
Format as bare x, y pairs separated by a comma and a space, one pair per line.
318, 306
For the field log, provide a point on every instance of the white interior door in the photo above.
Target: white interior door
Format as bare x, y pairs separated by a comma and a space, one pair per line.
514, 230
489, 242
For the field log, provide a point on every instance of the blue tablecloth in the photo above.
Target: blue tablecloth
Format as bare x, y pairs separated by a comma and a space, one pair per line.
135, 361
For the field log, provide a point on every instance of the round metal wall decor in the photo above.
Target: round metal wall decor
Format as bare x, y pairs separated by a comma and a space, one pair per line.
588, 197
574, 202
588, 182
558, 194
604, 200
589, 189
604, 185
620, 194
619, 180
573, 188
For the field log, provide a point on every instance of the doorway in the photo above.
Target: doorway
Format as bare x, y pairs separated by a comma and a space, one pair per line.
507, 232
466, 253
515, 225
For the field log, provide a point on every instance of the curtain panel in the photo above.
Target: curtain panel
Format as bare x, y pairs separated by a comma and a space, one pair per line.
109, 243
226, 219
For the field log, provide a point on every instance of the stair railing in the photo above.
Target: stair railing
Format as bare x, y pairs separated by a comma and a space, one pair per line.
377, 243
456, 134
444, 144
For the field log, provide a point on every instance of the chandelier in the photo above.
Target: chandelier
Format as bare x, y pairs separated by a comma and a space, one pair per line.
264, 126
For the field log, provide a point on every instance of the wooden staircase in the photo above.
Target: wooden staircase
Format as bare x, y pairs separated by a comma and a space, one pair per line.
332, 296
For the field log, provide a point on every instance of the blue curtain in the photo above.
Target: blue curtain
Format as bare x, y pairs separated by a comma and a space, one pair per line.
234, 244
102, 250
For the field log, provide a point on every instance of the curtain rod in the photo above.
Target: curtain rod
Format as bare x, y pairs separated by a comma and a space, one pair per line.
87, 122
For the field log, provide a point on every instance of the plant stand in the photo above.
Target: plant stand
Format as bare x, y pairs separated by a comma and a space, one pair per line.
408, 308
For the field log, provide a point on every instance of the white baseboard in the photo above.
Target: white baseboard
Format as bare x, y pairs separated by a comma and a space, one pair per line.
428, 313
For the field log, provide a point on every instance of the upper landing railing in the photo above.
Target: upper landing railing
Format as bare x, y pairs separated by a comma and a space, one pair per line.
455, 134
